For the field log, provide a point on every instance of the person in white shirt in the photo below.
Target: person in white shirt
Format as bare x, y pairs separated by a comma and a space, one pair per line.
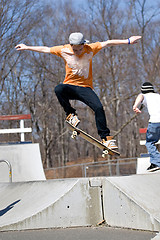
151, 100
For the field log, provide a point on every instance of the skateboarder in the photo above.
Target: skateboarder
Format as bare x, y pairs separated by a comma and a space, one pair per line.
77, 56
151, 100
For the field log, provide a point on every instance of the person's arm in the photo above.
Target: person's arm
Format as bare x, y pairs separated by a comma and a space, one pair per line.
138, 101
40, 49
114, 42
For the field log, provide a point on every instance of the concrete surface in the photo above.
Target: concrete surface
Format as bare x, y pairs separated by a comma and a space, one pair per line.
25, 160
88, 233
133, 201
126, 202
157, 237
48, 204
32, 202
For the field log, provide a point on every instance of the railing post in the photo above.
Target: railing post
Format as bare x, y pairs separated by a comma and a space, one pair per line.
85, 171
22, 127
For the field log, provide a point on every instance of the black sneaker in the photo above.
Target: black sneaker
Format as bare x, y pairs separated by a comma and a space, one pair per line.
153, 167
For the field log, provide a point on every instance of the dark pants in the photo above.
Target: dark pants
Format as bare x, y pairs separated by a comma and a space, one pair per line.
66, 92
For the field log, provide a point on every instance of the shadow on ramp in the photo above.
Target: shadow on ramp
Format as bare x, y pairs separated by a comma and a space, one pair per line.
8, 208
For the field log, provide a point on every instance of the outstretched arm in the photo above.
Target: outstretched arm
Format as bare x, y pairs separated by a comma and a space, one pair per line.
138, 101
41, 49
114, 42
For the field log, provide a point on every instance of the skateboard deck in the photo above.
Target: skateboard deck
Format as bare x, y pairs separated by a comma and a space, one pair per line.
78, 132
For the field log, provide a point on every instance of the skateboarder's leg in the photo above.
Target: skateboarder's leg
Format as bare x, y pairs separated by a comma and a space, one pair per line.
152, 137
64, 93
89, 97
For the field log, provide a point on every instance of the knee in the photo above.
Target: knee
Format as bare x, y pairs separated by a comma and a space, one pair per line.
58, 89
99, 109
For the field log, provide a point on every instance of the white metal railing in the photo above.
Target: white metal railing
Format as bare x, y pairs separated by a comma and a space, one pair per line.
9, 167
22, 130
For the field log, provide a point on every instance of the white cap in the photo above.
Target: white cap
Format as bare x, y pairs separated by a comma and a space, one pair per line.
77, 38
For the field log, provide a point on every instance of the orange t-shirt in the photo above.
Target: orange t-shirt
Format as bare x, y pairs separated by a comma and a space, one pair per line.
78, 68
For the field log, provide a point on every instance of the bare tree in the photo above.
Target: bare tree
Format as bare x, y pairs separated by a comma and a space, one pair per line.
28, 79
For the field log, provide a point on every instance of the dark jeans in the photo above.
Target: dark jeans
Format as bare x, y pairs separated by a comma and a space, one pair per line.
66, 92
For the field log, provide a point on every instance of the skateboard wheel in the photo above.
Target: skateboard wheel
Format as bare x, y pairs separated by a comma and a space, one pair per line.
105, 152
74, 134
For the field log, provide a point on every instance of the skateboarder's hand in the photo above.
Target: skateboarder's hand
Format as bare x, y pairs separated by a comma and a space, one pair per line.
136, 109
134, 39
21, 47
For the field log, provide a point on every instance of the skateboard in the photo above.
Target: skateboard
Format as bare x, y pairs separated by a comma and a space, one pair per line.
78, 132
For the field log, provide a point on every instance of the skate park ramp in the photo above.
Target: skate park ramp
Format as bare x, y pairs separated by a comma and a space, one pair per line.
25, 160
133, 201
47, 204
142, 164
126, 202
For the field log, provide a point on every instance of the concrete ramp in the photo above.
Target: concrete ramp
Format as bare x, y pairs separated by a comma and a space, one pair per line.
142, 164
25, 160
49, 204
127, 202
133, 201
